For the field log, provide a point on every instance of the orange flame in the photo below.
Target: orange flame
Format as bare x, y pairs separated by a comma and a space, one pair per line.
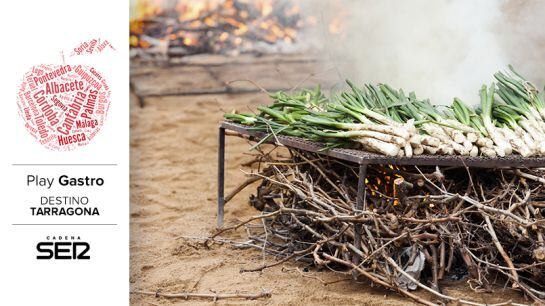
234, 23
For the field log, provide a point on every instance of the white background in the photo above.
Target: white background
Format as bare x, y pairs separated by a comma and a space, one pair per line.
35, 32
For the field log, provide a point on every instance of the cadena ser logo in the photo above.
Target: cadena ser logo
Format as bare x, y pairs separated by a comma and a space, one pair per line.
63, 248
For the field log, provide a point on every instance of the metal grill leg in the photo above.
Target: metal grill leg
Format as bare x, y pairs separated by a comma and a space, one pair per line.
359, 207
221, 176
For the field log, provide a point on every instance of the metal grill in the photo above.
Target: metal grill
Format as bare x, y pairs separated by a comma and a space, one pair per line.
363, 159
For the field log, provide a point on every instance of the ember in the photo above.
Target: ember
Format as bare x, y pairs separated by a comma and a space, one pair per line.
215, 26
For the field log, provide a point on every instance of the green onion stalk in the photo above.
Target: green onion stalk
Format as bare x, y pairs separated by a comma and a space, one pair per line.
502, 147
512, 119
376, 104
468, 117
452, 128
370, 105
517, 101
506, 120
383, 139
385, 129
424, 139
452, 138
513, 83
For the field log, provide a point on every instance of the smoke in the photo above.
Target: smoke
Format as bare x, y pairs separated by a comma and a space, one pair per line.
524, 39
438, 48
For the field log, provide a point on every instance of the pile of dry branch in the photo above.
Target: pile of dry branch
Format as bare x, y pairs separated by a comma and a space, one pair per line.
418, 228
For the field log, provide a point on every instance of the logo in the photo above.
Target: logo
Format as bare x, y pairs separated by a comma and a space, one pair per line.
64, 105
63, 248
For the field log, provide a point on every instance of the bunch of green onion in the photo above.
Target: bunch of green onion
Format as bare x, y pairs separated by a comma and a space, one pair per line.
380, 119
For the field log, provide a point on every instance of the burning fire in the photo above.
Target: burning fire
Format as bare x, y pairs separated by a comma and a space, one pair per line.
382, 185
217, 26
213, 25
